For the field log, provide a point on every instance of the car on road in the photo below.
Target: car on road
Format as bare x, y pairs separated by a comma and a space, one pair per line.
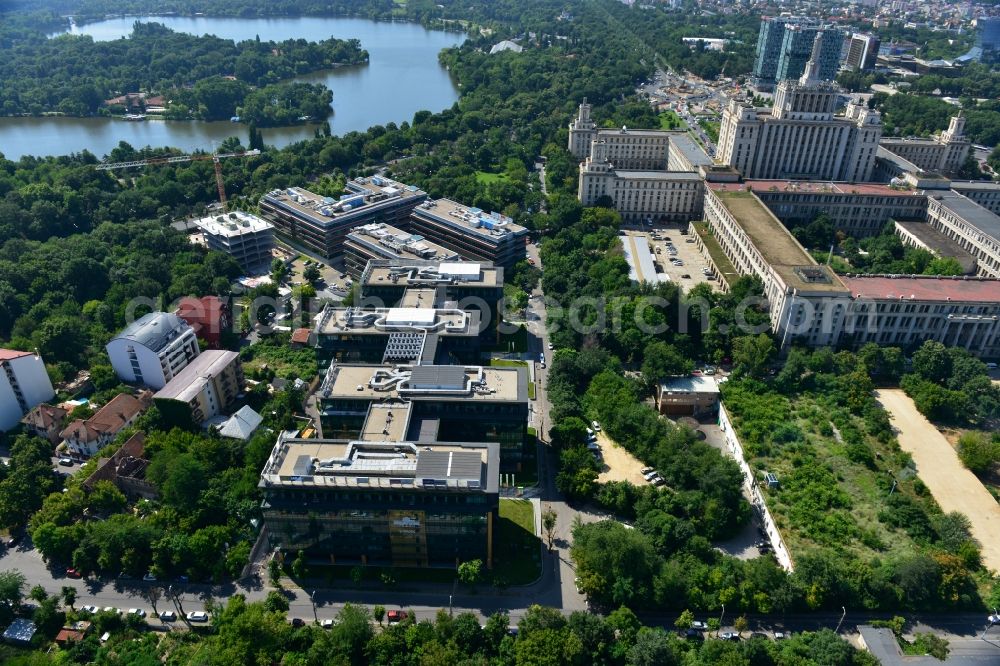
298, 622
197, 616
993, 619
93, 610
395, 616
66, 462
729, 636
168, 616
73, 573
138, 612
327, 623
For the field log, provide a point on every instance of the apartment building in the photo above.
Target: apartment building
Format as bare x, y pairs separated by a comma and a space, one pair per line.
382, 241
973, 227
209, 317
862, 52
383, 502
45, 421
322, 223
153, 349
858, 209
245, 237
471, 232
85, 437
945, 153
206, 388
24, 383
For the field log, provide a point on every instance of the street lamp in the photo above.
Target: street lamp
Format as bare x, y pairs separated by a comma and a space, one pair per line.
312, 598
842, 615
721, 615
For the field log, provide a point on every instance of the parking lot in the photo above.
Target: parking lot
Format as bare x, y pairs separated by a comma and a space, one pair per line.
669, 244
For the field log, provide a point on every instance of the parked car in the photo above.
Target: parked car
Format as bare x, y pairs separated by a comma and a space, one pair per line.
780, 635
327, 623
699, 625
729, 636
596, 425
551, 346
650, 475
73, 573
686, 276
149, 577
66, 462
197, 616
645, 470
298, 622
138, 612
168, 616
993, 619
93, 610
395, 616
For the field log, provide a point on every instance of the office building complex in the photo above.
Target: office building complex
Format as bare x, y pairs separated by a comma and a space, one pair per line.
988, 38
945, 153
862, 51
471, 232
381, 501
207, 387
858, 209
322, 223
800, 137
808, 303
785, 45
974, 228
85, 437
24, 384
245, 237
153, 349
381, 241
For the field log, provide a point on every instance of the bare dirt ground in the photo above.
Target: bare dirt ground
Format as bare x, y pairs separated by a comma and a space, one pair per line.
619, 464
954, 487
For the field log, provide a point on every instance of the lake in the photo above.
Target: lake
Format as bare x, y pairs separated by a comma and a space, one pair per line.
402, 77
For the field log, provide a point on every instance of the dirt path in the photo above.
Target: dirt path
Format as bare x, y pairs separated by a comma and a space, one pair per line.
954, 487
619, 464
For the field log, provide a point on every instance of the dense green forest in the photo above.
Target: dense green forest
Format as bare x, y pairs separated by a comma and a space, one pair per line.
74, 75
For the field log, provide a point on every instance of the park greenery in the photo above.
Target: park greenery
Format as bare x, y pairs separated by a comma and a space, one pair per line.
951, 386
74, 75
259, 632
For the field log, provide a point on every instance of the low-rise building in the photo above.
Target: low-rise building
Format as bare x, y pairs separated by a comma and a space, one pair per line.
382, 241
24, 383
388, 502
322, 223
45, 421
207, 387
153, 349
208, 316
85, 437
471, 232
126, 468
245, 237
687, 396
242, 424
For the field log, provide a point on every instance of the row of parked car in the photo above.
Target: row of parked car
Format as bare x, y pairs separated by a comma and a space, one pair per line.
697, 631
166, 616
652, 476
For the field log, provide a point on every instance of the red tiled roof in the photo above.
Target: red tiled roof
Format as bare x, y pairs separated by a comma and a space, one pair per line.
10, 354
109, 418
301, 335
924, 288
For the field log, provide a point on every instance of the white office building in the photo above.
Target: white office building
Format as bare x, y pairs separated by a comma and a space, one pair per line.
245, 237
153, 349
24, 384
800, 137
944, 153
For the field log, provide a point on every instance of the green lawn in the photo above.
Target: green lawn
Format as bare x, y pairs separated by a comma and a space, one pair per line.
487, 177
516, 548
504, 363
670, 120
519, 338
711, 128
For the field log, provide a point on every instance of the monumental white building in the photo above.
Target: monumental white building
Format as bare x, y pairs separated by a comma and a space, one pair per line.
973, 227
24, 383
800, 137
944, 153
153, 349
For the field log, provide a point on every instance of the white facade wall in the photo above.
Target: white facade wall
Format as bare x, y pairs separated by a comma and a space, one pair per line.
984, 247
24, 384
136, 364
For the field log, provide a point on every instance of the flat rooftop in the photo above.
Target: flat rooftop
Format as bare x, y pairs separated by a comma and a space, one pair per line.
391, 242
690, 384
763, 187
692, 152
975, 185
469, 219
426, 382
432, 273
967, 209
938, 243
924, 288
386, 421
361, 193
775, 243
233, 224
383, 321
388, 465
419, 297
188, 383
687, 176
625, 131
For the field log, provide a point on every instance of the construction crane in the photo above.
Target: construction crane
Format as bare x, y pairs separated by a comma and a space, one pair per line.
177, 159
